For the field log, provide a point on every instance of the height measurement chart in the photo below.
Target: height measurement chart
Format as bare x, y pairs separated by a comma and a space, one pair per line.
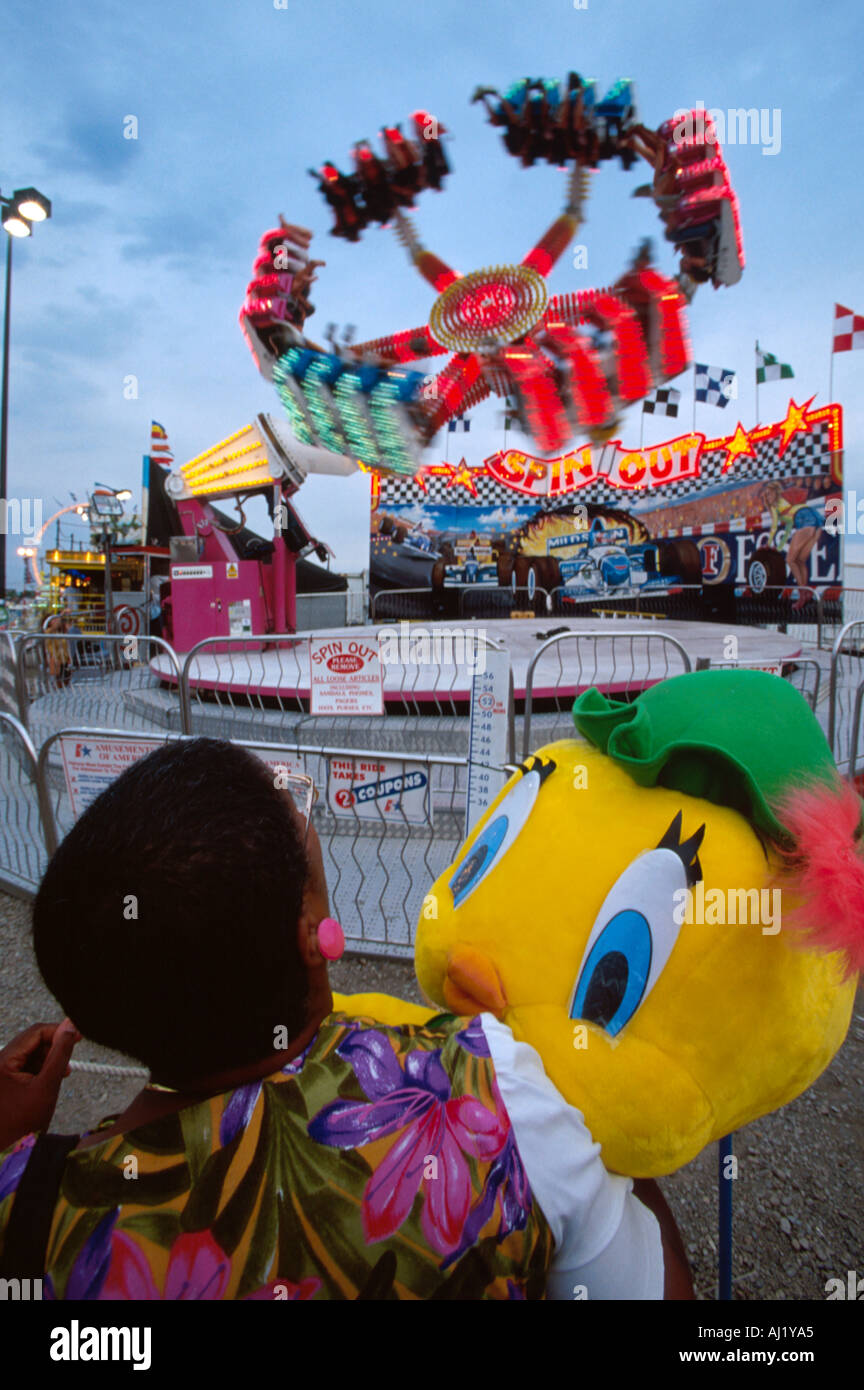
345, 676
488, 735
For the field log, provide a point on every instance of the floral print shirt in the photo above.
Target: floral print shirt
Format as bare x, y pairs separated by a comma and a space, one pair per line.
381, 1163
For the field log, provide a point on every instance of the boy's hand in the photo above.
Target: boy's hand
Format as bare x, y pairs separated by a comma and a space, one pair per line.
32, 1068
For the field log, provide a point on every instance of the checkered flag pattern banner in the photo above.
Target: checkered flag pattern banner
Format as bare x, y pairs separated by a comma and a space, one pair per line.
806, 456
714, 385
663, 401
463, 420
848, 329
769, 369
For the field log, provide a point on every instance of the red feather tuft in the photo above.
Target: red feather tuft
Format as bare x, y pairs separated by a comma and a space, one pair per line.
825, 871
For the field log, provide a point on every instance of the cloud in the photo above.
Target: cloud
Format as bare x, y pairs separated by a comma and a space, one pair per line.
91, 143
505, 517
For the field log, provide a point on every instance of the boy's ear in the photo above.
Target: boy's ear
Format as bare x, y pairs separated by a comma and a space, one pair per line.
307, 931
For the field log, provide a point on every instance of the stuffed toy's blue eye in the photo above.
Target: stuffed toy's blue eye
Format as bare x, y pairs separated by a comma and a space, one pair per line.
613, 979
634, 933
497, 837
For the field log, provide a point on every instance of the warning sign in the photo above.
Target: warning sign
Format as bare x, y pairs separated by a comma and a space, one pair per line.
92, 764
345, 676
379, 789
232, 570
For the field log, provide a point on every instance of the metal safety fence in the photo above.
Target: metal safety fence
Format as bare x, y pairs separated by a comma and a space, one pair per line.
683, 602
23, 853
388, 825
8, 688
846, 695
468, 601
804, 673
620, 662
258, 686
814, 615
106, 680
254, 687
503, 601
389, 604
257, 689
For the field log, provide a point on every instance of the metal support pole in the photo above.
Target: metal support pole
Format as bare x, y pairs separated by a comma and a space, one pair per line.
4, 416
109, 592
724, 1218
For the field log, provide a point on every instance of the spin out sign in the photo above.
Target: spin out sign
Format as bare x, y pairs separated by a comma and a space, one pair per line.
345, 676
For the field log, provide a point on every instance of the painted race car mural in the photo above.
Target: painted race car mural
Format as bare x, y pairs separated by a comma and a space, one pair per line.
744, 512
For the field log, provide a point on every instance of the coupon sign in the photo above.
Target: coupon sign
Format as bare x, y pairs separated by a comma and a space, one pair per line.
345, 676
379, 789
92, 764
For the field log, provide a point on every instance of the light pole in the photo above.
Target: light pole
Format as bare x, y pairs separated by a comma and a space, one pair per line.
26, 206
27, 552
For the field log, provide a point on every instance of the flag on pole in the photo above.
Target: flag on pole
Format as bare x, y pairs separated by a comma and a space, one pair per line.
848, 329
769, 369
160, 449
463, 421
714, 385
663, 401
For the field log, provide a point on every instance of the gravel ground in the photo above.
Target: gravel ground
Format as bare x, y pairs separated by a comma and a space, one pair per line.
799, 1219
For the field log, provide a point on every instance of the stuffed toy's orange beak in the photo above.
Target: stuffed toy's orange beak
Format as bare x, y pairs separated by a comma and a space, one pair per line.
472, 985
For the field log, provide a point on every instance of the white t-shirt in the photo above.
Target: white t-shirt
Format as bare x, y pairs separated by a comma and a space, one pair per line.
607, 1242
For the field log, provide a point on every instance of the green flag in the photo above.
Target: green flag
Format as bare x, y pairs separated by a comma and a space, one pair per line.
769, 369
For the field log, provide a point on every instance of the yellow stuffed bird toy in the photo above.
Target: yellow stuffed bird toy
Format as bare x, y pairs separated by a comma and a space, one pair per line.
670, 910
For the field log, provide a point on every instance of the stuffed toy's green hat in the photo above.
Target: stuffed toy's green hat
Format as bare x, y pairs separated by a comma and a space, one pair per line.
739, 738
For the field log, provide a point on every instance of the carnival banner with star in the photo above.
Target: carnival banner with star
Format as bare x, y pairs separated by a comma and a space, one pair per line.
702, 507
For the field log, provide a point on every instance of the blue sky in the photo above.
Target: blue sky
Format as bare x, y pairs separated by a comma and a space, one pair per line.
142, 269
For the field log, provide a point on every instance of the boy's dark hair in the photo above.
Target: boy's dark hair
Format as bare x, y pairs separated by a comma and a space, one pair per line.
166, 922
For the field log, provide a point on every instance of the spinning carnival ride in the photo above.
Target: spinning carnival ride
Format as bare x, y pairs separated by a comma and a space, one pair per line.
500, 330
565, 364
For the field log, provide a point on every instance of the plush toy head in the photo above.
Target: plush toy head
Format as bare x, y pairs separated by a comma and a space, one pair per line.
672, 917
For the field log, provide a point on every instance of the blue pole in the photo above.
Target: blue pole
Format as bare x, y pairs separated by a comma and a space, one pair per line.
724, 1215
